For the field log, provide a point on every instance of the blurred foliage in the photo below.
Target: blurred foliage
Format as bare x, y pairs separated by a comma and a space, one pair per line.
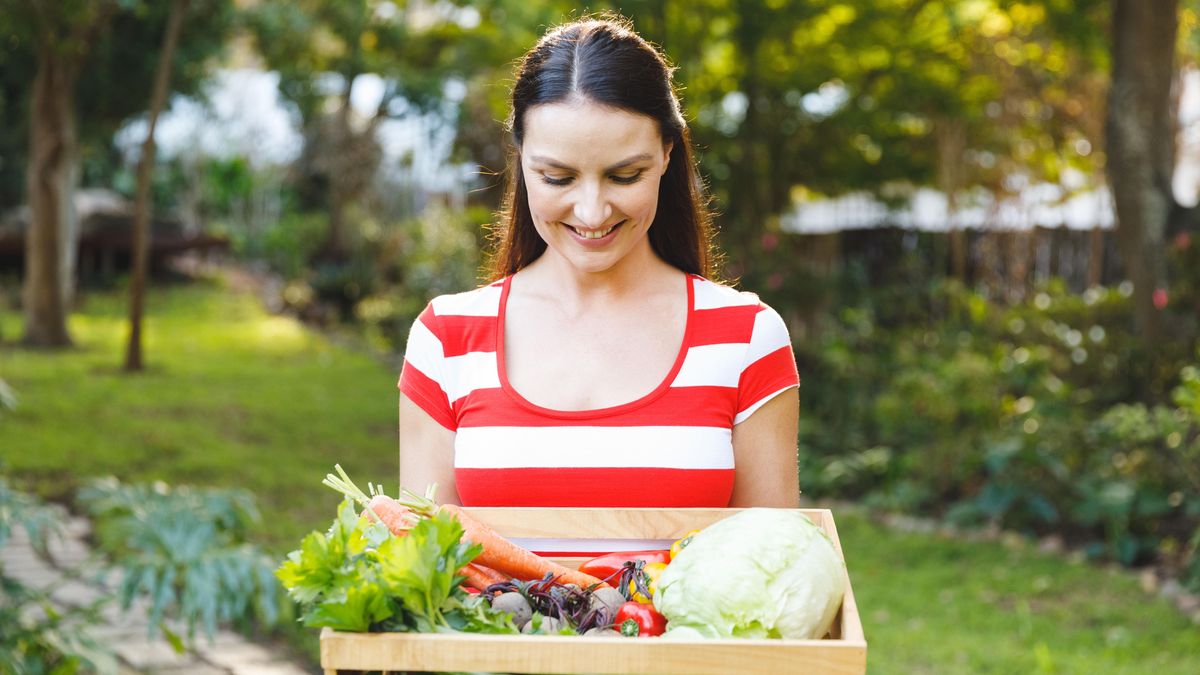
1044, 416
37, 637
114, 81
185, 550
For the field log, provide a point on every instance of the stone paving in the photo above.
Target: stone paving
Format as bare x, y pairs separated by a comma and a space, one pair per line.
126, 631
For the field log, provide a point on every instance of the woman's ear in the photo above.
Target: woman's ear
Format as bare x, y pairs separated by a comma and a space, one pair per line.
667, 148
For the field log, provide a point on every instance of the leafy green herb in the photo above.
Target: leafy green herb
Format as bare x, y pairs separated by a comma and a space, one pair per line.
358, 577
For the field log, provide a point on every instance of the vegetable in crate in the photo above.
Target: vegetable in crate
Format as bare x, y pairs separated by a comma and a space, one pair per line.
359, 577
498, 553
610, 565
762, 573
636, 619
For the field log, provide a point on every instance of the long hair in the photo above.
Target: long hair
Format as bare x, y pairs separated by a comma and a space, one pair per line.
606, 62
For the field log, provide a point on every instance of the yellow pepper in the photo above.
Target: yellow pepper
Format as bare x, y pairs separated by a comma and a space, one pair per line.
682, 542
650, 574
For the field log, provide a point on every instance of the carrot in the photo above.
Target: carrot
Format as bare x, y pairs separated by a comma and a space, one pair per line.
379, 507
481, 577
507, 557
399, 519
498, 553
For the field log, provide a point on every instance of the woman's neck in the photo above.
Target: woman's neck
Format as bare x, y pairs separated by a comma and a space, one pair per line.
637, 274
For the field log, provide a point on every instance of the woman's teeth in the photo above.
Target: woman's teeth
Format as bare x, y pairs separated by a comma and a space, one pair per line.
594, 234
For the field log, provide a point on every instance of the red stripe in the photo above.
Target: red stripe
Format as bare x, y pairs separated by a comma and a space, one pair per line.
461, 334
767, 375
723, 325
426, 393
595, 487
679, 406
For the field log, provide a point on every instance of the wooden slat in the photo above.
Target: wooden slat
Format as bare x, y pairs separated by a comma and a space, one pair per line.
578, 654
610, 523
598, 523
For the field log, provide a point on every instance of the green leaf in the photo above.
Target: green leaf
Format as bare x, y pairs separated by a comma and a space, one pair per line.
420, 569
355, 610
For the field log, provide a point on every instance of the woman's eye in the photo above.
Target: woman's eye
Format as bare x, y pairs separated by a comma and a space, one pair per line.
552, 180
628, 179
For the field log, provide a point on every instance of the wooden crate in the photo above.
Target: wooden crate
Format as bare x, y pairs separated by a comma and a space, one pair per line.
843, 651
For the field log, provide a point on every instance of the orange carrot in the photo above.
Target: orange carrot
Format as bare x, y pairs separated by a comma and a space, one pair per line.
481, 577
398, 518
498, 553
508, 558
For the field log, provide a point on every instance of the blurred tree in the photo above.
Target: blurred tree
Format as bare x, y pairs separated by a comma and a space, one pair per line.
1141, 147
322, 49
141, 218
91, 67
61, 35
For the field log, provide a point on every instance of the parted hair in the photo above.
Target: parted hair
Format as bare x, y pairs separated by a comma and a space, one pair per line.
602, 60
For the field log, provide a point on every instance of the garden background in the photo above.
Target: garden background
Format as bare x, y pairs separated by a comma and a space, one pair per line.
978, 219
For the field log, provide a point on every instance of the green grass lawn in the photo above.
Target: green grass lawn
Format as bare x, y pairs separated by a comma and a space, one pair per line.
232, 396
236, 397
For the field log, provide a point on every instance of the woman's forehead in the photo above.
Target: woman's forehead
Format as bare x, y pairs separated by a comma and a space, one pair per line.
587, 133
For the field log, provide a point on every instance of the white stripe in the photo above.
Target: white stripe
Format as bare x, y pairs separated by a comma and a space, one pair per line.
479, 302
711, 366
593, 447
473, 370
424, 351
710, 295
770, 333
741, 417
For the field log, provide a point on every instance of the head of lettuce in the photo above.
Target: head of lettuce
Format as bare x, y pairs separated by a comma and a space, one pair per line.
762, 573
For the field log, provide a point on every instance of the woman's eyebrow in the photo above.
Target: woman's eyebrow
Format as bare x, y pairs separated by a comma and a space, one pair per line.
642, 157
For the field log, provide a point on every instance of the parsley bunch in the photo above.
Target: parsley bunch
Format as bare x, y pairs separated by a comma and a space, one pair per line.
358, 577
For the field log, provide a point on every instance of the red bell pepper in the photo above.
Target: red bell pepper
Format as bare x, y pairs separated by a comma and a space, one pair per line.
636, 619
608, 566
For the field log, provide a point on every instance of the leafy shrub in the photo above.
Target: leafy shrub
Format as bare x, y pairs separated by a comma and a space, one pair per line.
35, 636
1049, 415
185, 549
435, 254
287, 244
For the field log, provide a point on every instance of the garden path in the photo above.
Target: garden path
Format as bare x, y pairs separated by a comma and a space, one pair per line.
126, 631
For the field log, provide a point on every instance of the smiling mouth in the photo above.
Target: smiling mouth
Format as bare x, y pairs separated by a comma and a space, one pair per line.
595, 234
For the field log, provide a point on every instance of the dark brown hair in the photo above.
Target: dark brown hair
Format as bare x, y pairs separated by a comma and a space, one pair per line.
605, 61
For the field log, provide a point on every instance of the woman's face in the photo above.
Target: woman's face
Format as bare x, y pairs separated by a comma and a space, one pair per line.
592, 175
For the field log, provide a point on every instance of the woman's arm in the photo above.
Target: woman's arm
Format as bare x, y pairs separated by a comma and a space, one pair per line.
426, 453
764, 451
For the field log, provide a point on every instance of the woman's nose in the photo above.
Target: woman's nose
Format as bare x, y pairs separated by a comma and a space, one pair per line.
592, 208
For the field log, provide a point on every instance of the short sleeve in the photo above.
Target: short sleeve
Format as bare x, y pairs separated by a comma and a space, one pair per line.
422, 378
769, 367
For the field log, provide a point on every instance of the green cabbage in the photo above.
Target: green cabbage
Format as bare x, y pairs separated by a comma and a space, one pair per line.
762, 573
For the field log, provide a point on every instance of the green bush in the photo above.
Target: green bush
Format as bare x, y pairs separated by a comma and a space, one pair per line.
37, 637
1046, 416
185, 550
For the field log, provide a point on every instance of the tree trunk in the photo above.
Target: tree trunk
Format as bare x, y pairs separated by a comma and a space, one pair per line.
141, 218
951, 137
48, 184
68, 249
1140, 127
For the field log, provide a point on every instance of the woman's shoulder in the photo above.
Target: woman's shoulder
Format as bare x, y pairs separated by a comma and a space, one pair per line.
482, 301
713, 295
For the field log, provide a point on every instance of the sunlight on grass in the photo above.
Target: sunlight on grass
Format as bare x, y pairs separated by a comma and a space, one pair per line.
281, 335
231, 396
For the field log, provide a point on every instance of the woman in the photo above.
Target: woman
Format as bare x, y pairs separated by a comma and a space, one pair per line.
601, 367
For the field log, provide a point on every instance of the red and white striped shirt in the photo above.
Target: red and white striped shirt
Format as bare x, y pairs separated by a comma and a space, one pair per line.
670, 448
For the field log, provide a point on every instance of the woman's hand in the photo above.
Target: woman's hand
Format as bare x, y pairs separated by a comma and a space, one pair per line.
426, 453
764, 451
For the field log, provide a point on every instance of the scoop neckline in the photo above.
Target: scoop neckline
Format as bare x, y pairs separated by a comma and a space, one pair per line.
511, 391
